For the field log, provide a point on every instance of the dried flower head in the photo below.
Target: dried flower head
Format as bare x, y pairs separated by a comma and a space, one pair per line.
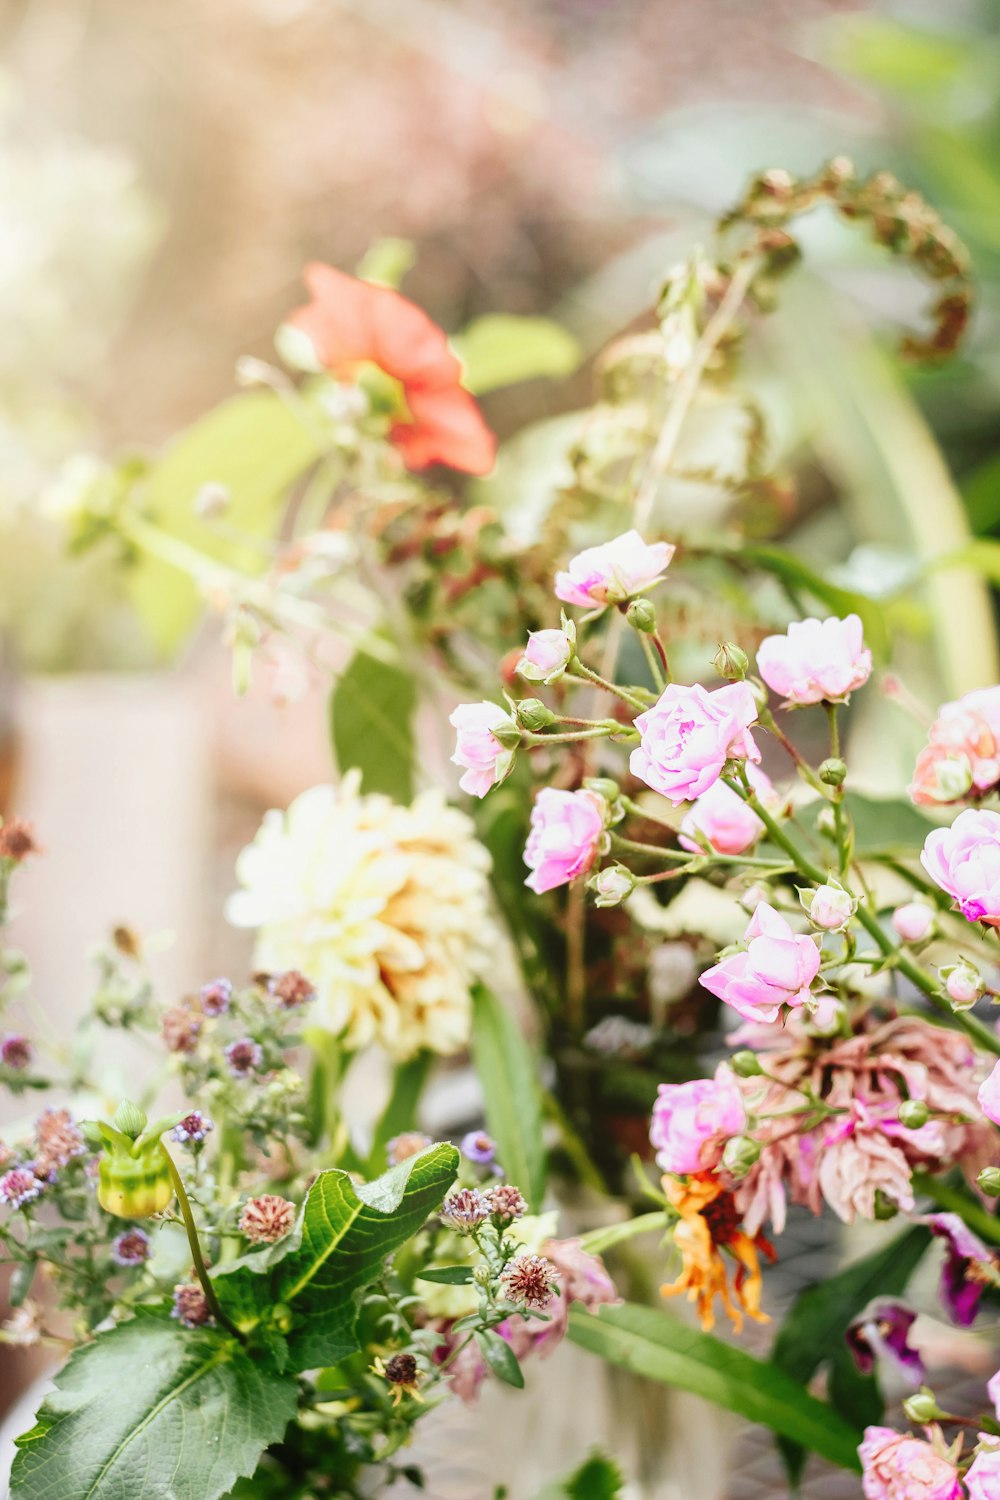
292, 989
192, 1130
215, 997
17, 840
15, 1051
58, 1139
506, 1203
181, 1028
18, 1187
410, 1143
267, 1219
529, 1280
402, 1373
190, 1307
131, 1248
244, 1057
465, 1209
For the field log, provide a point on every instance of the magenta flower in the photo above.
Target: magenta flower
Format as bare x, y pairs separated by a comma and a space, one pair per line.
982, 1479
613, 572
964, 860
689, 734
724, 819
485, 759
883, 1330
776, 969
969, 1266
692, 1121
816, 661
546, 656
900, 1467
566, 833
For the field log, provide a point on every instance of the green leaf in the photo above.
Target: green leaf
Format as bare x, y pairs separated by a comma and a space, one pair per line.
508, 1076
660, 1347
345, 1232
799, 579
500, 1357
371, 722
596, 1479
256, 446
149, 1410
880, 823
387, 261
502, 349
447, 1275
401, 1111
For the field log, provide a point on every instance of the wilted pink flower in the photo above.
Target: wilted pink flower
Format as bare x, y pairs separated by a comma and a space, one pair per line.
776, 969
546, 655
857, 1161
724, 819
982, 1478
816, 661
530, 1280
900, 1467
692, 1121
830, 907
614, 571
913, 921
689, 734
989, 1095
566, 832
485, 759
190, 1307
964, 860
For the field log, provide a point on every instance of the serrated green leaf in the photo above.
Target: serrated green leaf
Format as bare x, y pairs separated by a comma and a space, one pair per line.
660, 1347
345, 1232
151, 1410
371, 724
501, 349
508, 1076
500, 1357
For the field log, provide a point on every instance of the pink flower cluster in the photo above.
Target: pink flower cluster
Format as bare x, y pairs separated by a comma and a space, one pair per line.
613, 572
816, 661
776, 969
689, 734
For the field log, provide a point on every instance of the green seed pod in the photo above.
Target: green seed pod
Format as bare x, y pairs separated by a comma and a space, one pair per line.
746, 1064
989, 1181
913, 1113
134, 1187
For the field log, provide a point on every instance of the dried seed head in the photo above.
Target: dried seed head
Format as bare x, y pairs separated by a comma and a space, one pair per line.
529, 1280
267, 1219
181, 1028
401, 1369
292, 989
17, 840
244, 1057
465, 1209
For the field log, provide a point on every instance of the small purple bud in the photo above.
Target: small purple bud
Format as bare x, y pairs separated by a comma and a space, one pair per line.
215, 997
15, 1051
18, 1187
244, 1057
477, 1146
190, 1307
192, 1130
131, 1248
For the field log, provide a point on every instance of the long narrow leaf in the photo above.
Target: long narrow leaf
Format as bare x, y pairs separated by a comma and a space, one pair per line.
508, 1077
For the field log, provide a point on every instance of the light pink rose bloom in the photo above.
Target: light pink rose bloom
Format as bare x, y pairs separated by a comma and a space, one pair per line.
989, 1095
613, 572
913, 921
485, 759
689, 734
961, 753
831, 907
777, 969
816, 661
692, 1121
964, 860
900, 1467
982, 1479
546, 655
724, 818
566, 832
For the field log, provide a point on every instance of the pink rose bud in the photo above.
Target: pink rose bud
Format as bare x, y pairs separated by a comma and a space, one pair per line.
964, 860
830, 907
722, 817
963, 985
816, 661
567, 829
897, 1466
546, 656
613, 572
776, 969
913, 921
689, 734
692, 1121
486, 760
989, 1095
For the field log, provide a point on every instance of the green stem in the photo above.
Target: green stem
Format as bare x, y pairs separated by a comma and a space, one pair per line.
652, 660
626, 696
200, 1268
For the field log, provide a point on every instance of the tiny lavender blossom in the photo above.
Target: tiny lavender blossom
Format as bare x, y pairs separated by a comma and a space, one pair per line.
529, 1280
18, 1187
689, 734
215, 997
485, 759
410, 1143
692, 1121
897, 1466
465, 1209
913, 921
131, 1248
192, 1130
15, 1051
190, 1307
613, 572
477, 1146
964, 860
244, 1057
566, 833
291, 989
722, 817
546, 656
777, 969
816, 661
266, 1219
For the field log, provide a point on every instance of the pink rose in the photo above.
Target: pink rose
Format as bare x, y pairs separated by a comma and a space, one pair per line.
964, 860
982, 1479
830, 907
900, 1467
777, 969
689, 734
725, 820
485, 759
692, 1121
816, 661
961, 753
613, 572
913, 921
989, 1095
546, 655
566, 832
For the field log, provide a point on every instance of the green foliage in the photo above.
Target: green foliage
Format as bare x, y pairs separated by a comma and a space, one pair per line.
500, 1357
400, 1112
255, 445
659, 1347
387, 261
803, 582
501, 349
597, 1478
344, 1235
508, 1076
880, 823
371, 722
153, 1409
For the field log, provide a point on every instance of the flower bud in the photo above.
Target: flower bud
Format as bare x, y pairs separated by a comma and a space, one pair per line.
746, 1064
297, 350
533, 715
641, 615
134, 1187
913, 1113
989, 1181
921, 1407
963, 985
740, 1154
833, 772
731, 661
829, 906
508, 735
612, 885
130, 1119
547, 655
913, 922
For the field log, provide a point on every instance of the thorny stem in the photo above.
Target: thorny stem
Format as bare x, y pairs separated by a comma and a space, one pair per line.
200, 1268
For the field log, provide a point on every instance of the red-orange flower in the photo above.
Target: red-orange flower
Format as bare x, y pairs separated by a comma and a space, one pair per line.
352, 322
709, 1223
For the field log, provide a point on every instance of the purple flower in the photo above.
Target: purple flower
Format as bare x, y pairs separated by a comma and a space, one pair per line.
883, 1330
19, 1186
244, 1057
962, 1276
131, 1248
192, 1130
215, 997
190, 1307
477, 1146
15, 1051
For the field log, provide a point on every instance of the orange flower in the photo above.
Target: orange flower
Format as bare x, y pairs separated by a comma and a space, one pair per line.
352, 322
709, 1223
